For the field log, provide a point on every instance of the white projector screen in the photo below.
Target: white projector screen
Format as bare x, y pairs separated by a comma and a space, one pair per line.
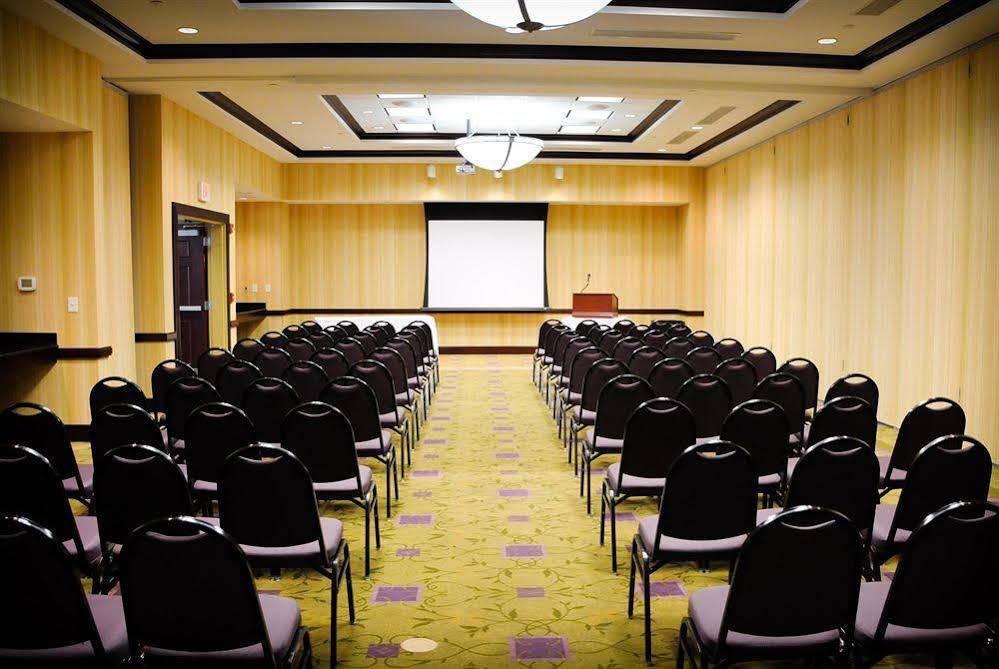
485, 264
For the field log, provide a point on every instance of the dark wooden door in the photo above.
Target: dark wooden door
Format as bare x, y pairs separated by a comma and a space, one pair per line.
192, 293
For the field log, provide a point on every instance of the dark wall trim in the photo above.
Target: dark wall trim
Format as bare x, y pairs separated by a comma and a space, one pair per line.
486, 211
767, 6
83, 353
324, 311
226, 103
487, 349
742, 126
149, 337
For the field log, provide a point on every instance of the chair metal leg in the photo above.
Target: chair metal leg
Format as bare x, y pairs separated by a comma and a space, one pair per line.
367, 540
603, 510
613, 524
350, 582
374, 513
631, 580
647, 592
681, 642
334, 596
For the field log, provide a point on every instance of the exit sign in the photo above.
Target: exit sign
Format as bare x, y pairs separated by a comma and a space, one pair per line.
204, 191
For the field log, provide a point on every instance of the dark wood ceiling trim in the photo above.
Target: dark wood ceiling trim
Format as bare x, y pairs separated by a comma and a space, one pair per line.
226, 103
938, 18
759, 117
766, 6
107, 23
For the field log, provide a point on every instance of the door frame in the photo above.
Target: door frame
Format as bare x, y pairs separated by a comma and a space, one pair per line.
209, 218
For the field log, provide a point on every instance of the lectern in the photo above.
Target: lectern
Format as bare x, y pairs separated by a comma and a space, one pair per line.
594, 305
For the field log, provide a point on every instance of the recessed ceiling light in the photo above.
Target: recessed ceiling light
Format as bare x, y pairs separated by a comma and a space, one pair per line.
400, 96
629, 115
616, 130
242, 197
187, 30
327, 148
296, 122
578, 130
661, 150
826, 41
379, 127
589, 115
414, 127
401, 112
598, 98
367, 111
697, 127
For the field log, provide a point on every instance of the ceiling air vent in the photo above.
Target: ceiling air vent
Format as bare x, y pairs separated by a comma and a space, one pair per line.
715, 115
682, 137
876, 8
665, 34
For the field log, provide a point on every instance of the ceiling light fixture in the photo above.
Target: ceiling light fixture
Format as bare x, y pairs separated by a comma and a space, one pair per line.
400, 112
367, 111
695, 128
296, 122
827, 41
414, 127
498, 153
589, 115
327, 148
400, 96
578, 130
187, 30
599, 98
531, 15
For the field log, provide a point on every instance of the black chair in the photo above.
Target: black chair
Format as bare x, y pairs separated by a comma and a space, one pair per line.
657, 432
266, 401
668, 375
708, 508
572, 350
942, 598
639, 331
729, 348
597, 332
349, 327
855, 385
678, 347
367, 341
929, 420
609, 341
321, 340
274, 339
294, 331
385, 325
312, 327
710, 400
701, 338
539, 351
48, 620
626, 347
336, 333
414, 379
333, 362
787, 391
703, 360
763, 360
555, 369
844, 416
273, 361
188, 592
163, 375
322, 438
307, 378
233, 380
267, 506
805, 371
380, 380
428, 340
426, 366
38, 428
793, 594
624, 326
617, 400
247, 349
214, 432
211, 361
740, 375
405, 398
569, 398
357, 401
761, 427
664, 324
655, 339
351, 349
643, 360
300, 349
678, 330
120, 425
585, 415
583, 327
115, 390
184, 396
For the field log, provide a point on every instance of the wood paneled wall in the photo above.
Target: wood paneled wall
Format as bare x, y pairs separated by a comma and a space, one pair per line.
868, 241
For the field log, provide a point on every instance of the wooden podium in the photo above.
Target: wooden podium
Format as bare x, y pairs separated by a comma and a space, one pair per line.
594, 305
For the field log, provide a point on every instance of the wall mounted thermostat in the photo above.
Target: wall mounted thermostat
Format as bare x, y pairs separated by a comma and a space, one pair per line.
27, 284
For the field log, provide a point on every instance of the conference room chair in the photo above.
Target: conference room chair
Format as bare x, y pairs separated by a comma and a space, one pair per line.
855, 385
554, 370
312, 327
37, 427
307, 378
211, 361
763, 360
134, 485
115, 390
162, 376
572, 394
332, 361
385, 325
664, 324
729, 348
265, 402
639, 330
405, 397
584, 415
626, 347
120, 425
955, 468
761, 427
656, 339
656, 433
30, 487
618, 399
609, 340
576, 345
294, 331
351, 349
701, 338
678, 347
793, 595
787, 391
367, 341
597, 332
268, 507
583, 327
710, 400
300, 349
843, 416
414, 380
274, 339
708, 508
184, 396
321, 339
678, 330
349, 327
47, 616
539, 352
336, 332
214, 432
247, 349
806, 372
380, 334
942, 597
740, 375
668, 375
422, 367
189, 593
322, 438
273, 361
356, 400
428, 337
928, 420
624, 326
379, 379
234, 378
703, 359
644, 359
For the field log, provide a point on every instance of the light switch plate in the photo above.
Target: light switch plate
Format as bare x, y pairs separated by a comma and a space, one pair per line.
253, 287
73, 305
26, 284
267, 287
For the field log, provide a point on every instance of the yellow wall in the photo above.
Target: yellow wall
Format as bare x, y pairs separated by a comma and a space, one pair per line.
868, 241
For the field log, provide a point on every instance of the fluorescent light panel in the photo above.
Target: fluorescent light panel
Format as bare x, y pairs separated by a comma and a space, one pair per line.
578, 130
400, 96
589, 114
414, 127
591, 98
404, 112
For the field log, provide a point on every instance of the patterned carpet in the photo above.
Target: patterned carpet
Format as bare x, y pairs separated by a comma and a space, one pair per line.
490, 553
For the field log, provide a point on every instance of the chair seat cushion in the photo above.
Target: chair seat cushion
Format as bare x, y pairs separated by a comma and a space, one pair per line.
897, 475
405, 398
109, 619
332, 530
414, 382
206, 487
706, 608
584, 416
346, 486
763, 514
705, 440
389, 419
883, 516
547, 360
768, 480
372, 447
791, 464
602, 444
872, 602
86, 475
633, 485
688, 548
89, 537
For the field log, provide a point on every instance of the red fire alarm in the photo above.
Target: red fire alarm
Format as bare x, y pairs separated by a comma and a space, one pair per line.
232, 228
232, 297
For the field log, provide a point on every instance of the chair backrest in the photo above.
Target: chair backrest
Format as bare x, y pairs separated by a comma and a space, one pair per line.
184, 396
211, 361
120, 424
405, 349
787, 391
43, 605
806, 372
336, 332
266, 499
639, 330
703, 359
644, 359
581, 364
609, 341
30, 487
571, 351
551, 338
214, 431
300, 349
234, 378
954, 468
321, 437
351, 349
396, 366
37, 427
367, 341
543, 331
839, 473
657, 432
357, 401
655, 338
678, 330
596, 377
678, 347
428, 335
701, 338
618, 399
115, 390
332, 361
388, 327
797, 574
665, 324
307, 378
710, 494
947, 576
163, 375
929, 420
349, 327
134, 485
855, 385
247, 349
844, 417
709, 399
761, 427
294, 331
379, 379
626, 347
561, 343
740, 375
596, 332
668, 375
274, 339
763, 360
321, 339
729, 348
186, 586
312, 327
266, 401
379, 333
583, 327
624, 326
273, 361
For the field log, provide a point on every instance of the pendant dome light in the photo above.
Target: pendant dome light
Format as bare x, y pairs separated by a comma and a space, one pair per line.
499, 153
517, 16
